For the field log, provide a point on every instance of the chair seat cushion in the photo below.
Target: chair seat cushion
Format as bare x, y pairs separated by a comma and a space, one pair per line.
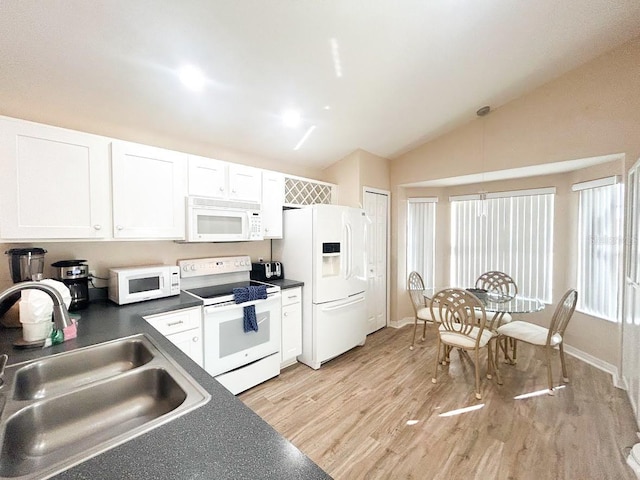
465, 341
424, 314
529, 332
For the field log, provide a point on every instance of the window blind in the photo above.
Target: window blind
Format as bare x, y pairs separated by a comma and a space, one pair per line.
421, 223
599, 238
512, 233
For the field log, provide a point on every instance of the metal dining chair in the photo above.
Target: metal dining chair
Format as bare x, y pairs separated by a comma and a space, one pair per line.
549, 338
459, 329
420, 306
497, 282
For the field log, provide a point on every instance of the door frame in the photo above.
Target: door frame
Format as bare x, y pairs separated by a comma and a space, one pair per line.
387, 193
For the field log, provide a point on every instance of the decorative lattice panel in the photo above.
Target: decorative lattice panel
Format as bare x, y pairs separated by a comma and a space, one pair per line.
306, 192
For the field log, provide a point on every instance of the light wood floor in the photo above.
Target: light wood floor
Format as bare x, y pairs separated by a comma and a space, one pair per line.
374, 413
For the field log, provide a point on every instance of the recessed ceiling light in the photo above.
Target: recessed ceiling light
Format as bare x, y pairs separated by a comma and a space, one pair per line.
192, 77
327, 107
291, 118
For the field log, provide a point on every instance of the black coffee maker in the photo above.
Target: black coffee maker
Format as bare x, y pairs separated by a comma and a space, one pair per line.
75, 275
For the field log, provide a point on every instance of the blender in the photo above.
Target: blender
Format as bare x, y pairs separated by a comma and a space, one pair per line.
25, 264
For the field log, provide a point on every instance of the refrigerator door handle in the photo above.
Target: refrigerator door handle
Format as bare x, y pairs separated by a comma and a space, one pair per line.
343, 305
349, 258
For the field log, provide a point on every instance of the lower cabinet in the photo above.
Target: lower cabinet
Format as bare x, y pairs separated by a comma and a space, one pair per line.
291, 345
183, 328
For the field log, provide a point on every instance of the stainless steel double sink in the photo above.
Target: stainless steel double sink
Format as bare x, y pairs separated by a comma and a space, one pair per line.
60, 410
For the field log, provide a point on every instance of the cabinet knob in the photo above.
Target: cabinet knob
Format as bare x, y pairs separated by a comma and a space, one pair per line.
286, 314
195, 339
97, 227
222, 189
119, 227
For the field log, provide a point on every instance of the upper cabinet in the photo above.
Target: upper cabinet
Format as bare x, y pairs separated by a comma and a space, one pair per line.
207, 177
228, 181
245, 183
272, 202
54, 183
149, 189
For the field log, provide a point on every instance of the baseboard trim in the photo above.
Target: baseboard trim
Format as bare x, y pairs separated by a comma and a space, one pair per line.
402, 322
599, 364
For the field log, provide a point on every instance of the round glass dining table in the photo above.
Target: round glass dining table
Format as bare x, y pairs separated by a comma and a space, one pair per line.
498, 304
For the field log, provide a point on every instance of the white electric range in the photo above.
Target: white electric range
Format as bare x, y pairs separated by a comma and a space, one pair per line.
237, 359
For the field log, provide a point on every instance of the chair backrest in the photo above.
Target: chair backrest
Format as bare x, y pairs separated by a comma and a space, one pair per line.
416, 287
563, 313
459, 311
497, 282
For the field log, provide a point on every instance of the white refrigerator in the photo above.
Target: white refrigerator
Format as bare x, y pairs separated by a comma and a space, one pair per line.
324, 246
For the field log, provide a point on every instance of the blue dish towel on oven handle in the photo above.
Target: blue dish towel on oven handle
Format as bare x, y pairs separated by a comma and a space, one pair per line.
247, 294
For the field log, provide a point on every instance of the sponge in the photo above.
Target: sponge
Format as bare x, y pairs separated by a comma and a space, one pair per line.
71, 331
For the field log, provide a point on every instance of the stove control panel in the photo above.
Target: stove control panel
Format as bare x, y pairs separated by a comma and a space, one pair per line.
197, 267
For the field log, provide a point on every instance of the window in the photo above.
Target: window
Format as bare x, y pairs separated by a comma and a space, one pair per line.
421, 238
509, 231
599, 238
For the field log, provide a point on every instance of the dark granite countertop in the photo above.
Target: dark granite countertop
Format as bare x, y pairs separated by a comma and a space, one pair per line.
223, 439
285, 283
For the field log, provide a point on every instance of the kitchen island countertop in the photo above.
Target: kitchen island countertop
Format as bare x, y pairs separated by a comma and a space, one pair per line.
223, 439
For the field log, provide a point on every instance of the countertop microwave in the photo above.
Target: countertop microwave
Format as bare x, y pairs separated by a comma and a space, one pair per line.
214, 220
137, 284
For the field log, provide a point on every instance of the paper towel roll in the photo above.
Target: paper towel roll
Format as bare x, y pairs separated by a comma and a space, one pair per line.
37, 306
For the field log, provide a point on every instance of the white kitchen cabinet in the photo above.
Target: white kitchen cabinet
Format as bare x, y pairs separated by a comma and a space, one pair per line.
54, 183
272, 203
291, 339
184, 329
245, 183
149, 189
228, 181
207, 177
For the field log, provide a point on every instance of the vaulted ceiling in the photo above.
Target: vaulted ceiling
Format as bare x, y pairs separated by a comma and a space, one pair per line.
381, 75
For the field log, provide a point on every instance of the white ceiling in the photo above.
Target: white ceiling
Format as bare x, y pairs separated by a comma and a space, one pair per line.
411, 69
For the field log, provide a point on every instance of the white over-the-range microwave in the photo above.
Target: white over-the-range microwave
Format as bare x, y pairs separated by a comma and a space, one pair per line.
137, 284
214, 220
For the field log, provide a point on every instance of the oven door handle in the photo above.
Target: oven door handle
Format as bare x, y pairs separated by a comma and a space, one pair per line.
224, 308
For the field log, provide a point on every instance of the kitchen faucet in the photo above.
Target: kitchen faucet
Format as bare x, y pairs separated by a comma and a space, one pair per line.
60, 314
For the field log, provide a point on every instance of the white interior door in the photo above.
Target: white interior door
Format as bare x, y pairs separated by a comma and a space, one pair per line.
376, 206
631, 325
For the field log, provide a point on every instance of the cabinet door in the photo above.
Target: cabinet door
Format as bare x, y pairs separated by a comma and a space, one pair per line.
291, 332
272, 202
54, 183
190, 342
149, 190
245, 183
207, 177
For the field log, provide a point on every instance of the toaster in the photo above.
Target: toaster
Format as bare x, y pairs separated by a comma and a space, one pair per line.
264, 271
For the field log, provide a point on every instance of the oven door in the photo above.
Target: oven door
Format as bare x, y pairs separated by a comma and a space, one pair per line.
227, 346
